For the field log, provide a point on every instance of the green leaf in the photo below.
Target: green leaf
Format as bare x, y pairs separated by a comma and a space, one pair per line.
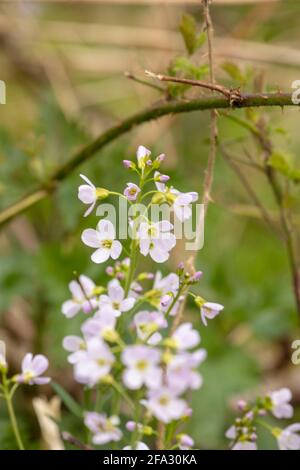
184, 67
188, 30
283, 163
192, 40
210, 435
69, 402
201, 39
233, 71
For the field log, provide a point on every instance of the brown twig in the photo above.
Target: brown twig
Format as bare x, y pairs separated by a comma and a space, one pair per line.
67, 437
267, 147
233, 95
139, 80
264, 212
163, 108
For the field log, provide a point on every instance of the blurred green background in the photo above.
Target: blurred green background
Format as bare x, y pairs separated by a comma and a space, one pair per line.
64, 70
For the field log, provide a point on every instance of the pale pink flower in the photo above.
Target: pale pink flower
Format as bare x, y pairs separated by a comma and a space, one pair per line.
167, 286
32, 368
210, 310
281, 408
156, 240
83, 297
245, 445
185, 442
182, 201
185, 337
288, 439
142, 367
165, 405
101, 323
3, 363
147, 325
95, 363
142, 156
139, 446
104, 429
182, 204
243, 442
76, 346
115, 301
103, 238
131, 191
182, 373
87, 193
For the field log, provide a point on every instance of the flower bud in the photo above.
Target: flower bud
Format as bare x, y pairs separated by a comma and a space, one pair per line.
199, 301
242, 405
3, 363
158, 198
111, 336
130, 426
196, 277
102, 193
128, 164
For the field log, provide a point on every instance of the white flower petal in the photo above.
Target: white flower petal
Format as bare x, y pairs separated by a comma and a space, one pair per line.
90, 237
116, 249
101, 255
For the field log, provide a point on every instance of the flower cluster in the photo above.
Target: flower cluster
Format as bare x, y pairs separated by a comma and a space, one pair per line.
32, 370
131, 341
243, 434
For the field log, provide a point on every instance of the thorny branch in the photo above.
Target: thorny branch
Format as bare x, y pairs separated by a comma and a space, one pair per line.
162, 108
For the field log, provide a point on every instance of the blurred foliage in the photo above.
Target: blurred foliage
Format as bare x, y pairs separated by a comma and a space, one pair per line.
245, 266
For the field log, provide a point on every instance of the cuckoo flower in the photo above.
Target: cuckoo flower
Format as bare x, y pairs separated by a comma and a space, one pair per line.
76, 346
281, 408
288, 439
104, 429
87, 193
3, 363
83, 297
167, 286
139, 446
95, 363
103, 238
142, 155
182, 204
182, 373
165, 405
245, 445
142, 367
185, 441
131, 191
100, 325
241, 442
210, 310
156, 239
185, 337
32, 368
147, 325
115, 302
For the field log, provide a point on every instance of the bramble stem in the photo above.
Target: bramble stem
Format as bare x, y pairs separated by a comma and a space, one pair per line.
154, 112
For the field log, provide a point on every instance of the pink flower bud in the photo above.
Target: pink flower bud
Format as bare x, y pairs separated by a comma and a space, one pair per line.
109, 270
163, 178
241, 404
127, 164
130, 426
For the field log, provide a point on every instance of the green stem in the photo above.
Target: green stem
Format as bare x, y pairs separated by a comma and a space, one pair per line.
13, 418
123, 394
